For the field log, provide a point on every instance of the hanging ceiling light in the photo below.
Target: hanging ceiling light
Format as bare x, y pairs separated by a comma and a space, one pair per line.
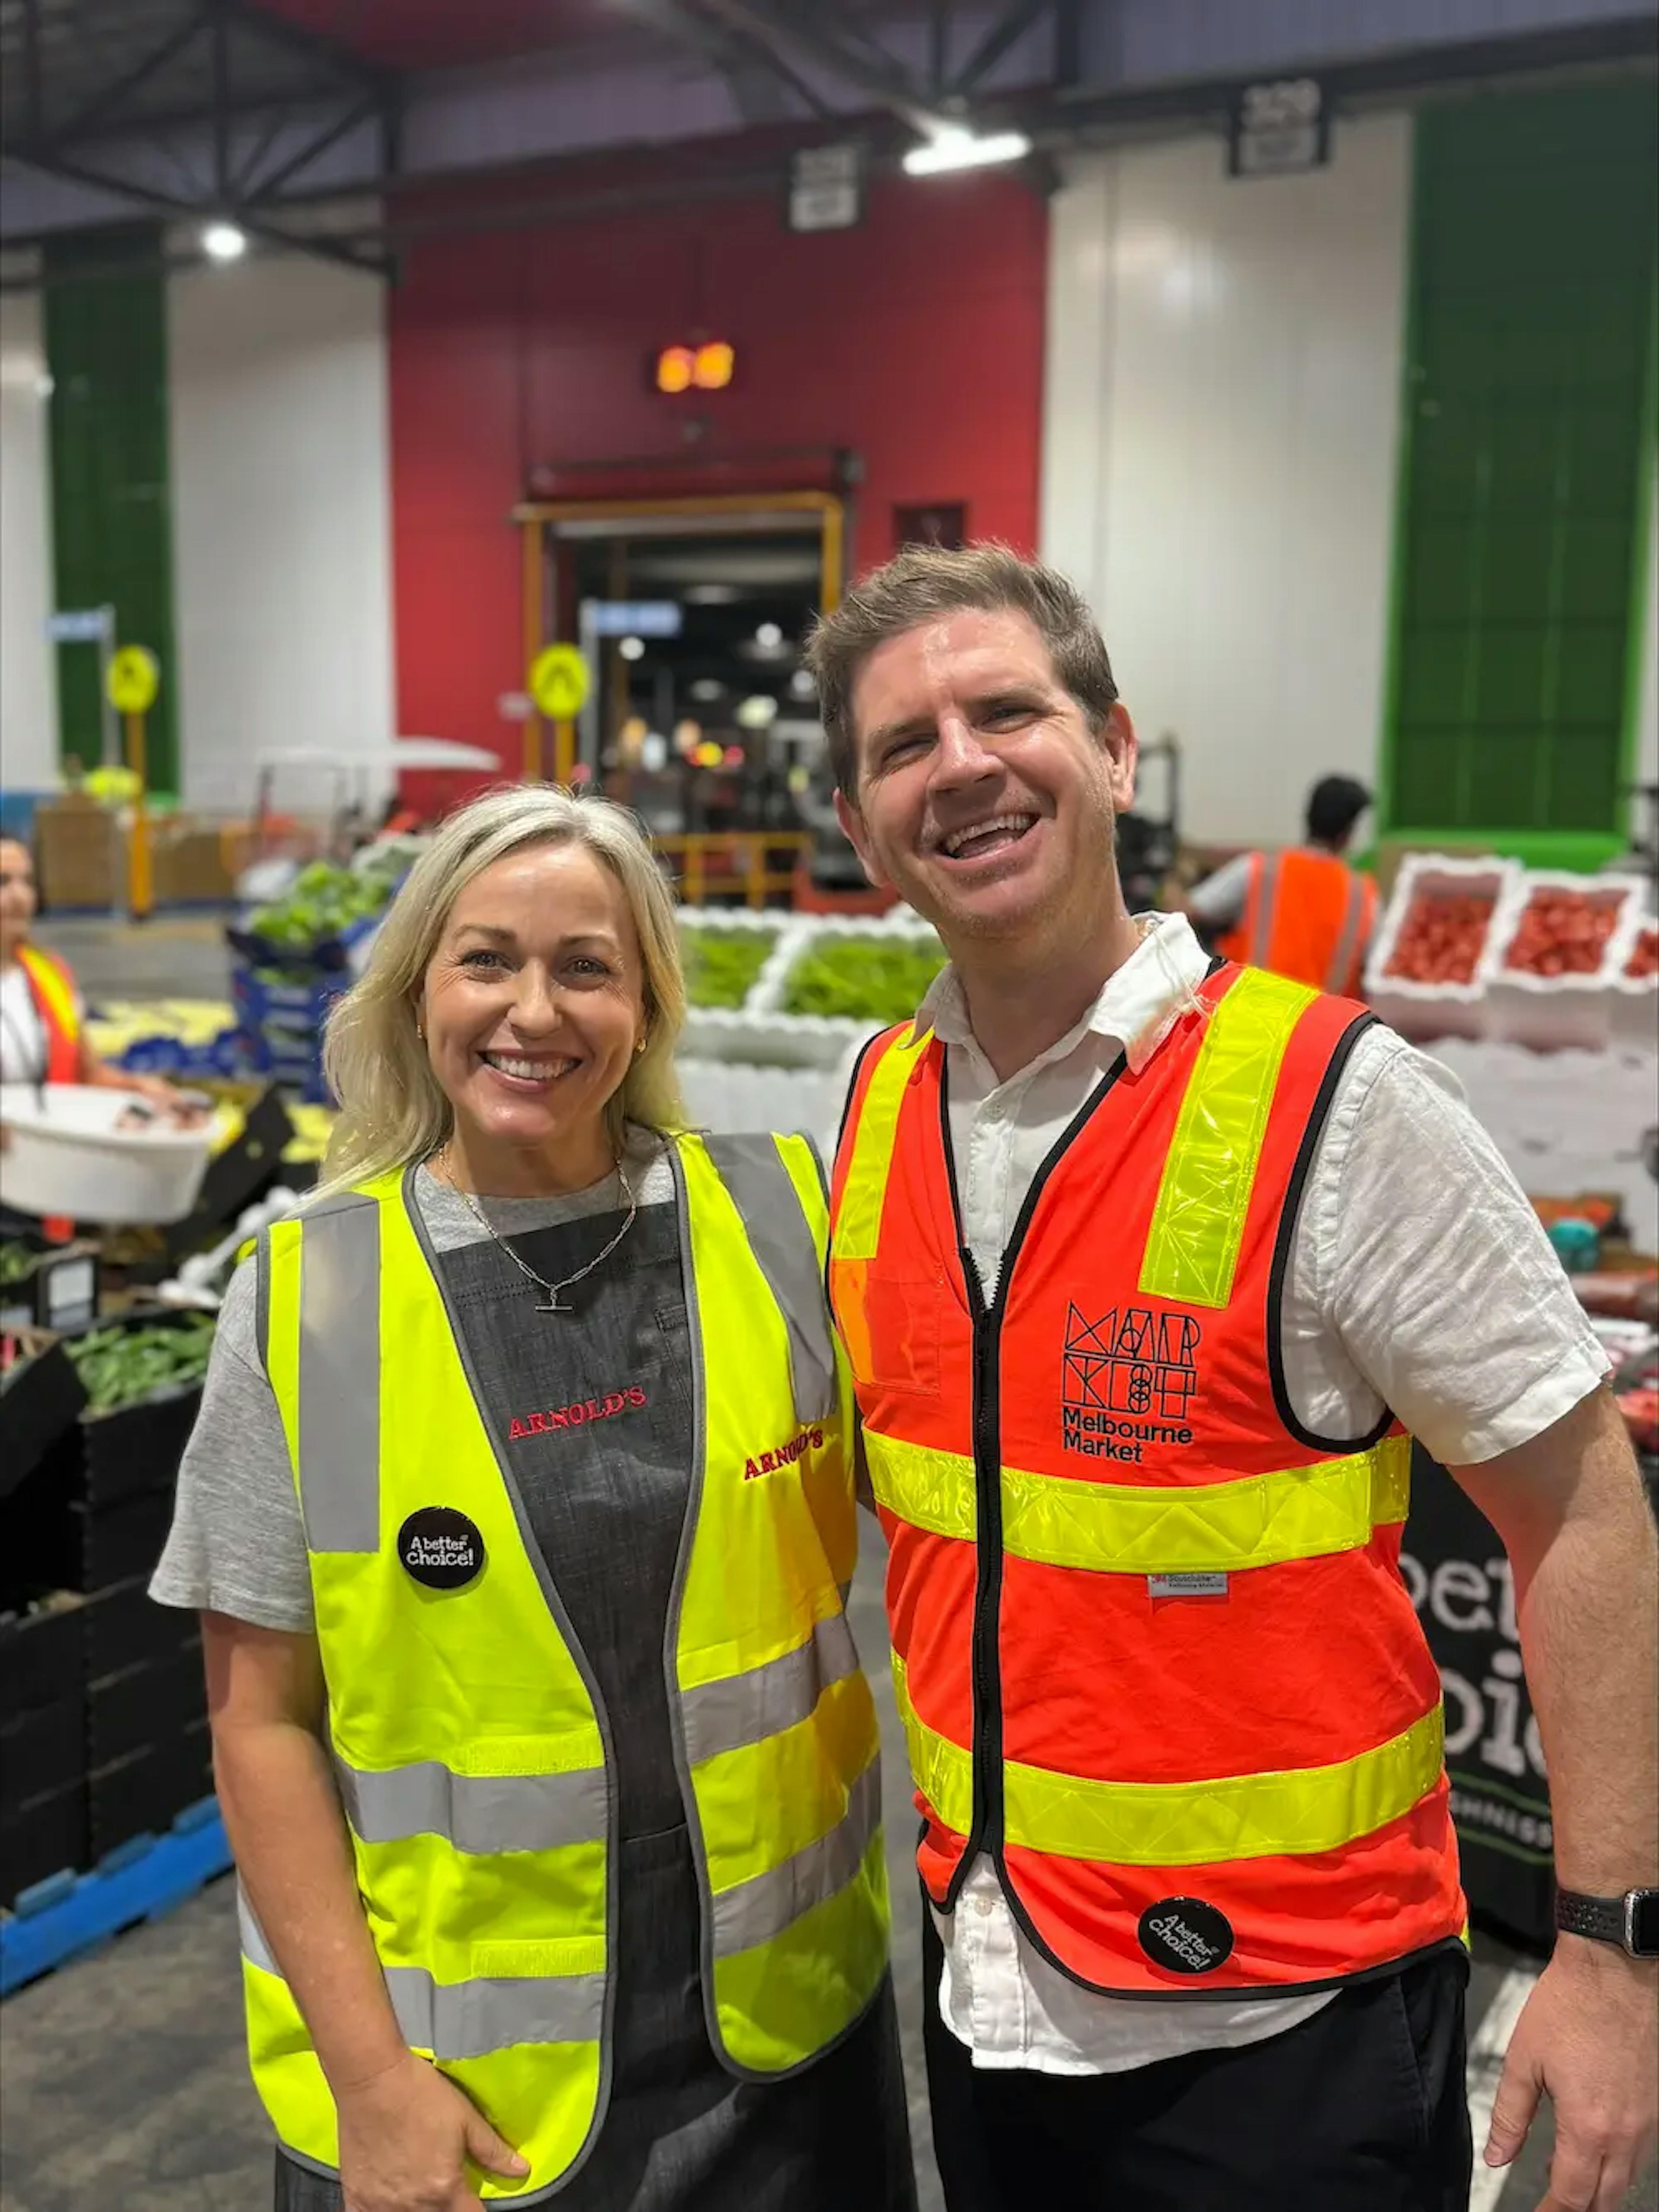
953, 146
223, 242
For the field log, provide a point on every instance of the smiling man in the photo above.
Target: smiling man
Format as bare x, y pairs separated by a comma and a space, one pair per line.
1149, 1267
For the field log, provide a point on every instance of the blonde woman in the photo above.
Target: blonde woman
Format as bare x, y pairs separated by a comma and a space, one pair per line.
520, 1513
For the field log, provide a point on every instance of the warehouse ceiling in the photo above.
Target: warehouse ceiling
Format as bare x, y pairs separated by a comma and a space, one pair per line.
273, 112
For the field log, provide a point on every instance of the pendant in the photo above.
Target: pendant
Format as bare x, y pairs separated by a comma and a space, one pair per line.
552, 1303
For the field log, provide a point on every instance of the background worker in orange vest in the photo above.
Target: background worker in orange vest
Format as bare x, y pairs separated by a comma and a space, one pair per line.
1146, 1265
1305, 913
43, 1036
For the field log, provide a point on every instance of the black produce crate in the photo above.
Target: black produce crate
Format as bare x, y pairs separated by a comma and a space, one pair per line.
137, 1448
41, 1838
123, 1624
240, 1174
41, 1550
145, 1792
43, 1653
119, 1542
42, 1751
39, 1402
146, 1704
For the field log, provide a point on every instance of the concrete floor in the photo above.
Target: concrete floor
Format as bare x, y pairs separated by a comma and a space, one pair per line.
126, 2089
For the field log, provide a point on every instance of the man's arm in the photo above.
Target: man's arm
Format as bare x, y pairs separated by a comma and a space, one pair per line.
1570, 1509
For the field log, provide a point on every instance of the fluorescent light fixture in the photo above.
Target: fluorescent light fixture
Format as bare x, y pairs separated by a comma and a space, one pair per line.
951, 147
223, 242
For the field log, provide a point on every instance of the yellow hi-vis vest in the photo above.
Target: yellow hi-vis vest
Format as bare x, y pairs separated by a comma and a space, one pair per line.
473, 1757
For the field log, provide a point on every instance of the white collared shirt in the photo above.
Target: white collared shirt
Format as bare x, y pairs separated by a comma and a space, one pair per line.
1419, 1280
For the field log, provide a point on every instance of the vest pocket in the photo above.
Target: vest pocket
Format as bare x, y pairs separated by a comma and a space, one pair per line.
900, 1350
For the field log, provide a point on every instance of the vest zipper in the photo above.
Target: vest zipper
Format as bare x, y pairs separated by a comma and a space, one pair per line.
986, 1659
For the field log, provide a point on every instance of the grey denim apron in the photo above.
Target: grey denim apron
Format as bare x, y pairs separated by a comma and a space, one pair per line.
606, 1502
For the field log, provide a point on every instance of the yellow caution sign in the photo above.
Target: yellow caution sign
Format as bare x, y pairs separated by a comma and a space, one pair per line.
135, 678
559, 681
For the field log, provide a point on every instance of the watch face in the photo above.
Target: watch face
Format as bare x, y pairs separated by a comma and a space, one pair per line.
1642, 1907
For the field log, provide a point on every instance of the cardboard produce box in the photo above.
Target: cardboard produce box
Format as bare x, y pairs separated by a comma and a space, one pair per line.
188, 863
78, 851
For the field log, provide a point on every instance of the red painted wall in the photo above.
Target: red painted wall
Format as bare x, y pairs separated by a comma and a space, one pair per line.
915, 340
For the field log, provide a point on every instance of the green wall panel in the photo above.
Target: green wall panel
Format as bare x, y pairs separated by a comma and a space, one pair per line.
1521, 529
112, 508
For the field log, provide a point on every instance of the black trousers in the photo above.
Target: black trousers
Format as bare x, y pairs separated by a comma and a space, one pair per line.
1363, 2108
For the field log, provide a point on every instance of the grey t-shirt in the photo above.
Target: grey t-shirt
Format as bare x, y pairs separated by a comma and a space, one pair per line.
237, 1544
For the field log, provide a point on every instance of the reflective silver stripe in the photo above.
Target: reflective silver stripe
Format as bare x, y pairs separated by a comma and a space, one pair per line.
1266, 888
254, 1945
745, 1709
339, 1379
469, 2020
763, 1907
1341, 966
780, 1238
474, 1812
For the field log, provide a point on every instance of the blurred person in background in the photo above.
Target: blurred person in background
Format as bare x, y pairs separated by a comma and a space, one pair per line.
43, 1027
521, 1513
43, 1034
1149, 1267
1304, 914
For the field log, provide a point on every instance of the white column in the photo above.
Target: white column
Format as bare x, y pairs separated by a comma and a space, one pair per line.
28, 664
282, 520
1220, 443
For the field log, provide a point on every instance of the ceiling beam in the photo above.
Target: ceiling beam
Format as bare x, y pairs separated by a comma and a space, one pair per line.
1006, 31
370, 261
889, 87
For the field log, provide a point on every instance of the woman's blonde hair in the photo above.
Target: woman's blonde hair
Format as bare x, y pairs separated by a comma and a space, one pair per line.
393, 1111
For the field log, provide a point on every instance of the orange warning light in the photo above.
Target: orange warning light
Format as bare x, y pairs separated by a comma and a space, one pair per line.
676, 366
712, 370
706, 368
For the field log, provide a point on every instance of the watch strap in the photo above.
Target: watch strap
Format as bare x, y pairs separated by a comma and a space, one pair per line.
1601, 1918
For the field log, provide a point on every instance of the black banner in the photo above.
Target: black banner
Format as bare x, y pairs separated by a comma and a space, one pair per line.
1462, 1585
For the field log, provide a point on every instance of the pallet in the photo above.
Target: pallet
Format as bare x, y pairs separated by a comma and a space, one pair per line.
70, 1913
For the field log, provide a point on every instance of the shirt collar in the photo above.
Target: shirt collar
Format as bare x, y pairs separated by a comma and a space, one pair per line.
1138, 1004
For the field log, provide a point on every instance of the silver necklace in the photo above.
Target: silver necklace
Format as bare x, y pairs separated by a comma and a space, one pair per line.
552, 1303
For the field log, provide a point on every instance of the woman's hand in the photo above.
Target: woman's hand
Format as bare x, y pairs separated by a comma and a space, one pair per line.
405, 2136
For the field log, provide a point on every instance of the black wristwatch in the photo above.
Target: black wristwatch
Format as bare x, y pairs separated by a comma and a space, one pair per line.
1631, 1921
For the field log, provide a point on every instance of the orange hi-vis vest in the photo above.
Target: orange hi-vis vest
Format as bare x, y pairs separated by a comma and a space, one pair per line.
1151, 1643
52, 988
1307, 915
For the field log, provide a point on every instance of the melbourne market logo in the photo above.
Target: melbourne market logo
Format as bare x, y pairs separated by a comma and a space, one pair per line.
1129, 1381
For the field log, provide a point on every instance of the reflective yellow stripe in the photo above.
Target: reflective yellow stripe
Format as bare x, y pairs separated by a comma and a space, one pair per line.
1238, 1816
48, 979
858, 1224
1192, 1247
1297, 1513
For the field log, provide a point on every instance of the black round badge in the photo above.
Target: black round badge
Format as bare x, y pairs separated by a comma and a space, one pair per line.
441, 1547
1186, 1935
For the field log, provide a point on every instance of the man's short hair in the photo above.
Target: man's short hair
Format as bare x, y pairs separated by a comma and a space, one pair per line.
1335, 804
924, 581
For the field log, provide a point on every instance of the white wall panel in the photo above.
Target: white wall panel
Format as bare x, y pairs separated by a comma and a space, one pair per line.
282, 518
1219, 453
28, 667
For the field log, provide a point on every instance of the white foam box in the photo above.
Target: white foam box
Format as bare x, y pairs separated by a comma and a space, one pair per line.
1427, 1011
1559, 1013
